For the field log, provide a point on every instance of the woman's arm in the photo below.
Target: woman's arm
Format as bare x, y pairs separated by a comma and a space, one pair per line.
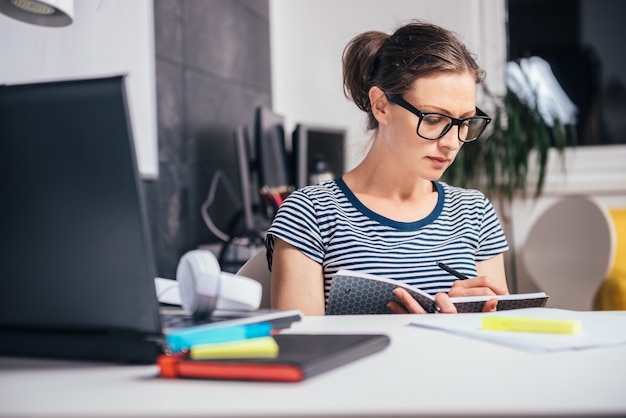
494, 268
297, 281
491, 280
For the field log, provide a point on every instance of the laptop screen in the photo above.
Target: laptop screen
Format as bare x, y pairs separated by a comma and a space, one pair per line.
76, 257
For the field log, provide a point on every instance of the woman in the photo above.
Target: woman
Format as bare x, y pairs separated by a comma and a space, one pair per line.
390, 216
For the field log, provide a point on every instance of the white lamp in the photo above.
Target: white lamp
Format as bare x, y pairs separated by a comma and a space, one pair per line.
53, 13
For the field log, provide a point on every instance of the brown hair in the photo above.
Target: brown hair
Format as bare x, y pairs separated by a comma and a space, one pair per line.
393, 62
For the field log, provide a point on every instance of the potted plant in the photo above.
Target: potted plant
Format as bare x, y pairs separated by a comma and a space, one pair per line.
510, 160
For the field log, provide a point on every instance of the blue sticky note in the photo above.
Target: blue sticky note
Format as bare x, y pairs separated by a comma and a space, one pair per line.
185, 338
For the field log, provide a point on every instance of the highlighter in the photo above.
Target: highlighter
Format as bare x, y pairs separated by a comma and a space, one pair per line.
541, 325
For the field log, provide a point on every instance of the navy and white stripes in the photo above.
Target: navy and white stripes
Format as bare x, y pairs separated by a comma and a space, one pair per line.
331, 226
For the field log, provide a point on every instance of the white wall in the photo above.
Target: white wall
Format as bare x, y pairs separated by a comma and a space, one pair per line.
107, 37
308, 37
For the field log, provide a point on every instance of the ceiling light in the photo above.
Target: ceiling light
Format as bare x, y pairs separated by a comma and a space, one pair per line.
55, 13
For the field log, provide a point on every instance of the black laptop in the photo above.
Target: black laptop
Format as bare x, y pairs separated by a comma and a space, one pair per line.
76, 260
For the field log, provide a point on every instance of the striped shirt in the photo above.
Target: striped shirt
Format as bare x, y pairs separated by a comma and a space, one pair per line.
330, 225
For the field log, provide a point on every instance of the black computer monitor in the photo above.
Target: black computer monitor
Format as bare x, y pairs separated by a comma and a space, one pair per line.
312, 144
244, 167
271, 154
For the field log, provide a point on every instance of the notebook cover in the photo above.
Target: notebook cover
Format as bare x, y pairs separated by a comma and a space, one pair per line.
505, 302
355, 295
300, 356
363, 294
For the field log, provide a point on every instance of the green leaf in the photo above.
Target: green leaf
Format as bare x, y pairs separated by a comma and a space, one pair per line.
499, 162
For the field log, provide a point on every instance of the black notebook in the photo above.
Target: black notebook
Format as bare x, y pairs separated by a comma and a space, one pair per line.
357, 293
300, 356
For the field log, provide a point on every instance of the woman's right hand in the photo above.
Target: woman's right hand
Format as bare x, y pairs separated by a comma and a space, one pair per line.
409, 305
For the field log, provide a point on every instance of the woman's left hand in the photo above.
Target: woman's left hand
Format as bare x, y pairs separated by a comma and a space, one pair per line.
477, 286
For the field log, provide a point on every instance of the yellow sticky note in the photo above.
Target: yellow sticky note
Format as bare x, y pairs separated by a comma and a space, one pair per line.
522, 324
261, 347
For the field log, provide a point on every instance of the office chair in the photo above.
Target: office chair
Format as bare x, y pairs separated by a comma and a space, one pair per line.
256, 268
570, 250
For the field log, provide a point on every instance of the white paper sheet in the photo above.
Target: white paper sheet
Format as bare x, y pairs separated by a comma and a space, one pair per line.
599, 329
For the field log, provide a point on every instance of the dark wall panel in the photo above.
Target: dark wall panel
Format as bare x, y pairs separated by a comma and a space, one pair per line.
212, 71
229, 41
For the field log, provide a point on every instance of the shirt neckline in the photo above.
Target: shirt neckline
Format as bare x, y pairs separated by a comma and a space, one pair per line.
407, 226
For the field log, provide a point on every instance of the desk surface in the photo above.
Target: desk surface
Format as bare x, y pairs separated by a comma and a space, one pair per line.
422, 373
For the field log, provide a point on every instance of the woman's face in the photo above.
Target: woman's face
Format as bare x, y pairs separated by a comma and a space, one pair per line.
451, 93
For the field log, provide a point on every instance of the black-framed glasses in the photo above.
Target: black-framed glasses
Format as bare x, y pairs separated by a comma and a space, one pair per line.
434, 125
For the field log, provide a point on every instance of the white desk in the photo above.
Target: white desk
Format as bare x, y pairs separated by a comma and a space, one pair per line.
422, 373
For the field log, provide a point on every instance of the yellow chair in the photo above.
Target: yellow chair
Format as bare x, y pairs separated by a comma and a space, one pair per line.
612, 292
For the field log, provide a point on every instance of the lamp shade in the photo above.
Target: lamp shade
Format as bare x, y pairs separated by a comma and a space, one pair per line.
54, 13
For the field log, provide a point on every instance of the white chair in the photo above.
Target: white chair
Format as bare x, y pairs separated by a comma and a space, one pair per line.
256, 268
570, 250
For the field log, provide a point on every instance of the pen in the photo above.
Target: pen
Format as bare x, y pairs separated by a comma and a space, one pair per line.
452, 271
